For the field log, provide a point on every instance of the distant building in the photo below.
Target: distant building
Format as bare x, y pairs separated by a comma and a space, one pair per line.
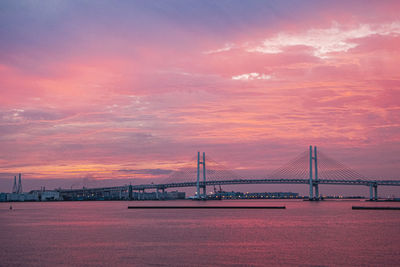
12, 197
158, 196
48, 195
122, 193
15, 197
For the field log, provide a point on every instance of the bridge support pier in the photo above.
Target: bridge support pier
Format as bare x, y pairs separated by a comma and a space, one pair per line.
130, 192
160, 195
141, 194
373, 192
316, 192
371, 196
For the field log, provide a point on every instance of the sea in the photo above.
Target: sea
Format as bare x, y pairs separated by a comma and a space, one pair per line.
107, 233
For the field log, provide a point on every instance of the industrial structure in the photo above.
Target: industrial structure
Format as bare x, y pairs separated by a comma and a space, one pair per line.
18, 195
17, 189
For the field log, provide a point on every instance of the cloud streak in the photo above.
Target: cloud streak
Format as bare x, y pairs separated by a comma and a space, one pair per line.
251, 76
325, 41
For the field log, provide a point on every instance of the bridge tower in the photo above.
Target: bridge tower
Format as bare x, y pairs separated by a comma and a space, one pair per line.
204, 176
314, 190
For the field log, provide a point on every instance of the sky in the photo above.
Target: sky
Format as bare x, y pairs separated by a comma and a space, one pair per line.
116, 90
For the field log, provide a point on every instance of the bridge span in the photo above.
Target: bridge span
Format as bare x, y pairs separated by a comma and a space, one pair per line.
313, 181
373, 184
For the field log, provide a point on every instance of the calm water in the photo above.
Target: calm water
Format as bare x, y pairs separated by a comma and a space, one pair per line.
327, 233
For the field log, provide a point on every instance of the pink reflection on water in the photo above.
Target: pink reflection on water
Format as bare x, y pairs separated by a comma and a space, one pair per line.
107, 233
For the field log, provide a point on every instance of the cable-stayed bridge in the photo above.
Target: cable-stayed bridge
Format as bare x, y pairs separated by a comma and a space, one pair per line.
309, 168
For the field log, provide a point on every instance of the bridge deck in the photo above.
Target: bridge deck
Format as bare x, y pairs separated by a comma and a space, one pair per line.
239, 181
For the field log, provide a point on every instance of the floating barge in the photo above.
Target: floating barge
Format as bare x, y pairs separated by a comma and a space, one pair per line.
206, 207
375, 208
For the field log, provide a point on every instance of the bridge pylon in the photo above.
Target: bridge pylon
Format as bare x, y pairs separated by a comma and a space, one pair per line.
198, 195
314, 189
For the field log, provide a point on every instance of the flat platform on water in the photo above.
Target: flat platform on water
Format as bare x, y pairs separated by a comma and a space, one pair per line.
206, 207
375, 208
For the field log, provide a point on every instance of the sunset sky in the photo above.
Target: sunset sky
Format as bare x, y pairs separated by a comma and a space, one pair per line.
133, 89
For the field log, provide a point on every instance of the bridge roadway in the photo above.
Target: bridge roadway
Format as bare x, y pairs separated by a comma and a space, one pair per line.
236, 182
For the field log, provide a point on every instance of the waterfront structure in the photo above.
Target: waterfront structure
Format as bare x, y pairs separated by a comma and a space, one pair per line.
158, 195
288, 174
17, 194
11, 197
341, 176
35, 195
119, 193
48, 195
